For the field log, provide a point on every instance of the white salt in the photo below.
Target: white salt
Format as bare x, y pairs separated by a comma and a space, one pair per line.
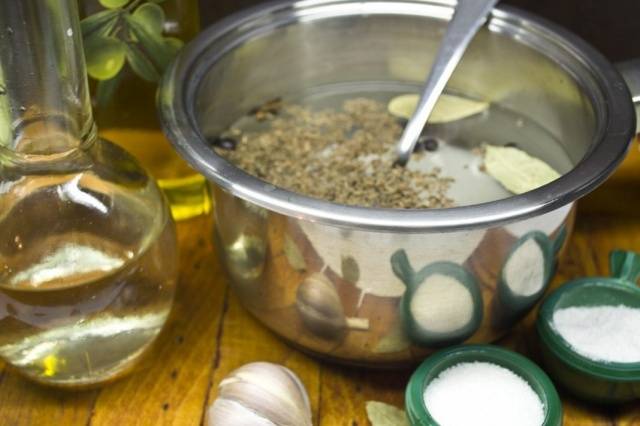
482, 394
601, 333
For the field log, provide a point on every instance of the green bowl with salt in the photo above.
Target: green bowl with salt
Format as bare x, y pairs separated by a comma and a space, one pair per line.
488, 403
589, 332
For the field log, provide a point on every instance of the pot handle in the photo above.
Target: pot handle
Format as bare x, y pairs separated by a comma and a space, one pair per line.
630, 71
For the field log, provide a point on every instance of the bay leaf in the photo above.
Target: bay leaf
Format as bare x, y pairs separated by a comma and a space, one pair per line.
396, 340
350, 269
448, 108
516, 170
382, 414
293, 255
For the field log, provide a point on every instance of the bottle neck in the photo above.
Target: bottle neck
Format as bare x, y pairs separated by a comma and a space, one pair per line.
45, 108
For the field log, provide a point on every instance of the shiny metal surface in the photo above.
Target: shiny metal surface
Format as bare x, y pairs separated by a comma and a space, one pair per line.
469, 16
380, 286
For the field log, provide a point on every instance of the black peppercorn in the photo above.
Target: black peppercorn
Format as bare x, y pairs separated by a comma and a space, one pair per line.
426, 143
402, 121
224, 142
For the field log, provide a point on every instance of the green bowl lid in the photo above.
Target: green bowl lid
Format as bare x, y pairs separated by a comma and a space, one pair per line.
619, 289
417, 411
438, 286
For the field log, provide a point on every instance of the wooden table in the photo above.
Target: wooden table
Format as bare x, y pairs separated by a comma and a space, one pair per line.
210, 335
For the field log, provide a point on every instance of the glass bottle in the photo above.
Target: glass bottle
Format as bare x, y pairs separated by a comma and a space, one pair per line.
128, 45
88, 256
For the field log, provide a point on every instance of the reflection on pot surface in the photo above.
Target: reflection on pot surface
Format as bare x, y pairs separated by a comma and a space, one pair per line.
346, 295
442, 304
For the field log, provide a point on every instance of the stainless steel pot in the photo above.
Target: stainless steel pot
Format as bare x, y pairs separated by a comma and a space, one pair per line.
379, 286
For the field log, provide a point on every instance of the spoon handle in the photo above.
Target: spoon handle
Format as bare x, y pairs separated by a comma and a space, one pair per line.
468, 17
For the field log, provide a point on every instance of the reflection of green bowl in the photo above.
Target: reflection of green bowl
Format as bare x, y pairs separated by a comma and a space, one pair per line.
442, 304
531, 261
602, 382
434, 365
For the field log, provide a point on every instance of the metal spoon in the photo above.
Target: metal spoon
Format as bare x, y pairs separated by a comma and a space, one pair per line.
467, 19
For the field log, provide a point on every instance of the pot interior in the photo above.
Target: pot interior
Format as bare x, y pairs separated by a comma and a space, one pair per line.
542, 96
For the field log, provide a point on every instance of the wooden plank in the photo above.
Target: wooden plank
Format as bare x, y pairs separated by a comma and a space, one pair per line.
25, 403
173, 384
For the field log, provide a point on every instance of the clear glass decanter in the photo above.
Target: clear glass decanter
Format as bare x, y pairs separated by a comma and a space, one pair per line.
88, 255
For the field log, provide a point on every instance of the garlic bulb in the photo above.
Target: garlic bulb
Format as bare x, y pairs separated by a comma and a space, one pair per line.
260, 394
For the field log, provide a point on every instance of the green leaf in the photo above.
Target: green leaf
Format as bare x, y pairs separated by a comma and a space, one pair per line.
157, 1
98, 22
104, 55
150, 16
140, 64
113, 4
401, 267
152, 45
174, 45
106, 88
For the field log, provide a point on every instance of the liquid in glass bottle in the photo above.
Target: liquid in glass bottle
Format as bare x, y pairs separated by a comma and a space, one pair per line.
88, 255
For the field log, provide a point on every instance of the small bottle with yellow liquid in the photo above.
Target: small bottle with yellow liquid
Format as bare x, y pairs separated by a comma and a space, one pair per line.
128, 45
88, 254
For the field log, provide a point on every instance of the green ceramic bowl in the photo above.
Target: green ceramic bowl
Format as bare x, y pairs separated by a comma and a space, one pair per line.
417, 412
596, 381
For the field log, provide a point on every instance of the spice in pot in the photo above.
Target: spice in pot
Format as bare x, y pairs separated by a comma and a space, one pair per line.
601, 333
482, 393
344, 156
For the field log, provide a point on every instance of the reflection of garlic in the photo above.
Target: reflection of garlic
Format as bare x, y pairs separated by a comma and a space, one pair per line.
246, 257
321, 309
261, 394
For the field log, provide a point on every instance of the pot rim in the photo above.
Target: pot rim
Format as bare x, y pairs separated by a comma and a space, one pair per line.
609, 95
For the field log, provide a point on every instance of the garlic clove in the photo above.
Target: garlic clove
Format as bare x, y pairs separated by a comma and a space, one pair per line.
261, 393
225, 412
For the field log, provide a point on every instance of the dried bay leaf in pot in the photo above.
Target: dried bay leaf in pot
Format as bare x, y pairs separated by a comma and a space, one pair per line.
448, 108
261, 394
381, 414
516, 170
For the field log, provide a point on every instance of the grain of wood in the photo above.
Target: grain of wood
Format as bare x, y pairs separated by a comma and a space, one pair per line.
25, 403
